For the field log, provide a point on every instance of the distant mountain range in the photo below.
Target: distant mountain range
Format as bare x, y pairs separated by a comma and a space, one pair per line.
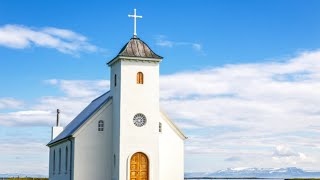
7, 175
290, 172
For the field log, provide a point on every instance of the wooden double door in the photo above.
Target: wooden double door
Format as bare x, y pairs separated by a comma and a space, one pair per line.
139, 167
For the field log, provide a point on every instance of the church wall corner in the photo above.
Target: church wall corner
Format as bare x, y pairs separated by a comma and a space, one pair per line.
93, 152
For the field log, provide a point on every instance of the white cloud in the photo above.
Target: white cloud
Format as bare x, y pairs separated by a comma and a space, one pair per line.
23, 118
249, 93
63, 40
82, 88
51, 81
10, 103
233, 158
284, 151
162, 41
64, 33
78, 94
284, 154
197, 47
247, 109
22, 155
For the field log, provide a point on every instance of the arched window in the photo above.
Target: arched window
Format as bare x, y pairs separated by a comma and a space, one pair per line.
59, 160
100, 125
67, 154
54, 161
139, 78
115, 80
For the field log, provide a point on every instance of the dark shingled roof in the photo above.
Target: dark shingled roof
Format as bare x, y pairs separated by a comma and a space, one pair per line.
82, 117
137, 48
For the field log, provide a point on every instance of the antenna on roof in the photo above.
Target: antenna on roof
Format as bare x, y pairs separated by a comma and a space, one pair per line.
58, 113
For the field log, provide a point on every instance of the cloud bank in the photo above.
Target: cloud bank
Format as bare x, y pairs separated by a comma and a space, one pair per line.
240, 115
10, 103
78, 94
247, 110
63, 40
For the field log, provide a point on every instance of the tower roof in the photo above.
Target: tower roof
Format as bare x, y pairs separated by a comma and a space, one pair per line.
136, 48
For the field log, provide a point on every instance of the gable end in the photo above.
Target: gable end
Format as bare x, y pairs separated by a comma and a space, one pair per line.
174, 127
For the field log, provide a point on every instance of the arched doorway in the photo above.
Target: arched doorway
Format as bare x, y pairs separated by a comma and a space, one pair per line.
139, 167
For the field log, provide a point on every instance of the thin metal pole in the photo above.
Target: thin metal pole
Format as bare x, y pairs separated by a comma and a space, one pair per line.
58, 112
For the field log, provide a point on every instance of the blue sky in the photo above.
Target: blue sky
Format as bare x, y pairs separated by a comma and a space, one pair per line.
256, 63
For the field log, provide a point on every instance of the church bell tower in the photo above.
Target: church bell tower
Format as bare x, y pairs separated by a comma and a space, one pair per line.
134, 84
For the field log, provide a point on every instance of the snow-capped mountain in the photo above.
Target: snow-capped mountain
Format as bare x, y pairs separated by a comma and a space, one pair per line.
257, 172
291, 172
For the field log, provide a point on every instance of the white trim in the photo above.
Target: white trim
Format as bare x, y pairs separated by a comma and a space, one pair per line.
133, 58
173, 126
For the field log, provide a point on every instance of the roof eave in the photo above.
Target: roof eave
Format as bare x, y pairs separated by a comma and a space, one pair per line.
133, 58
52, 143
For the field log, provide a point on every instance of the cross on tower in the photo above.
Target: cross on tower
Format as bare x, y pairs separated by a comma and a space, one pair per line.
134, 16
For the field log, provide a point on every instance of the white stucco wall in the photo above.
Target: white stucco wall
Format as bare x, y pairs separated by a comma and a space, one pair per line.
171, 153
64, 172
133, 98
93, 148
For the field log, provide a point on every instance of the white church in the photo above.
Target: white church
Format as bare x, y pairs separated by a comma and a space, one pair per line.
123, 134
